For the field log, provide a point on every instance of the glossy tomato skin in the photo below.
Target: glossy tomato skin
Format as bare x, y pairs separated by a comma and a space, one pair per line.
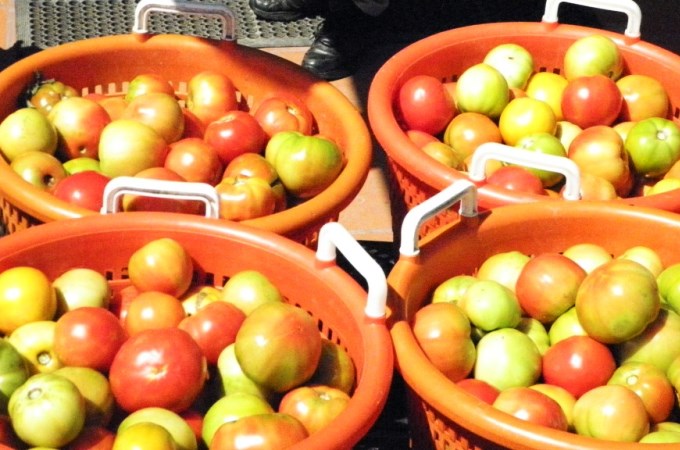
161, 265
591, 100
194, 160
210, 95
533, 406
88, 336
271, 431
145, 83
153, 310
235, 133
214, 327
315, 406
480, 389
650, 384
84, 189
162, 367
284, 113
578, 364
243, 198
469, 130
515, 178
425, 104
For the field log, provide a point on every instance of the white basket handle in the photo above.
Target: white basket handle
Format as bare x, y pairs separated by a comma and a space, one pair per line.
537, 160
628, 7
461, 190
334, 236
145, 7
179, 190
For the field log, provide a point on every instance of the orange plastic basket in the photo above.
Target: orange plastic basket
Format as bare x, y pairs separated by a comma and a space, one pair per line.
415, 176
106, 64
443, 415
312, 281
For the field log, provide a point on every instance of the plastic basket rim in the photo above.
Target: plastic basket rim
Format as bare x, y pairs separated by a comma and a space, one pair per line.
371, 391
456, 404
401, 151
321, 208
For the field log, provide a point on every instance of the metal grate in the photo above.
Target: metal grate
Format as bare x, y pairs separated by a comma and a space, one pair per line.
48, 23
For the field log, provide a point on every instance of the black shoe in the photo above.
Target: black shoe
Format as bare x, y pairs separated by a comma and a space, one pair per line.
338, 45
284, 10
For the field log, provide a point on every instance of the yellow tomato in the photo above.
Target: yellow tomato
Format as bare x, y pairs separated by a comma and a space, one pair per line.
524, 116
143, 436
548, 86
26, 295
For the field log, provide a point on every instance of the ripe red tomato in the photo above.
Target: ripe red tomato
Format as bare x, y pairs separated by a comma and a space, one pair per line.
480, 389
84, 189
284, 113
315, 406
152, 310
88, 336
425, 104
235, 133
515, 178
163, 368
214, 327
578, 364
591, 100
194, 160
651, 384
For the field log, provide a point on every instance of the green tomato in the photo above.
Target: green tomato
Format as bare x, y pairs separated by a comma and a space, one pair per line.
548, 144
591, 55
514, 61
653, 146
306, 165
669, 286
507, 358
489, 305
230, 408
47, 410
179, 429
482, 89
25, 130
13, 372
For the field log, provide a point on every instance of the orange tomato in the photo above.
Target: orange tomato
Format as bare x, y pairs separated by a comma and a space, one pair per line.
152, 310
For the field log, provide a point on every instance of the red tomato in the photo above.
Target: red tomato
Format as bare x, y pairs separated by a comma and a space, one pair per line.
578, 364
193, 127
480, 389
214, 327
515, 178
235, 133
251, 165
547, 286
591, 100
533, 406
84, 189
210, 95
161, 265
425, 104
93, 438
163, 368
284, 113
194, 160
153, 310
89, 337
263, 431
244, 198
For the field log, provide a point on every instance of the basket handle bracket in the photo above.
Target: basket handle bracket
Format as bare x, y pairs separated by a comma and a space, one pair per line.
628, 7
145, 7
334, 236
461, 190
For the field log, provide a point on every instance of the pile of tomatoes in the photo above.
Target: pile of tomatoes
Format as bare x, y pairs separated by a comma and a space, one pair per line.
260, 158
617, 127
161, 361
580, 341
